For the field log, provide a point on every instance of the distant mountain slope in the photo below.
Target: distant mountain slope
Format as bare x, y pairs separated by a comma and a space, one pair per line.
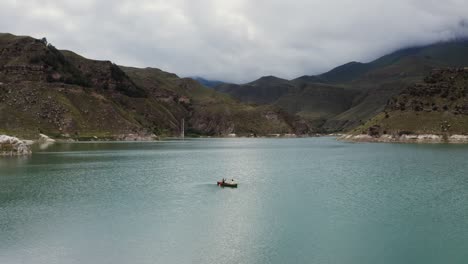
63, 94
354, 70
351, 94
265, 90
438, 105
207, 83
439, 54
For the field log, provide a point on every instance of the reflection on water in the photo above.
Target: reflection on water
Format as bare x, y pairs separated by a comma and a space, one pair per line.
45, 145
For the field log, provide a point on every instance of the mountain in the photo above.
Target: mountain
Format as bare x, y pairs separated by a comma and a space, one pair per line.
62, 94
438, 105
349, 95
207, 83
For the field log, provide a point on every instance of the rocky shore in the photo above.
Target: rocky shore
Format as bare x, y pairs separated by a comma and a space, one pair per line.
137, 137
424, 138
12, 146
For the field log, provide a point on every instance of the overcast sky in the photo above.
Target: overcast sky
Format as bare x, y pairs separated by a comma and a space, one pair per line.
236, 40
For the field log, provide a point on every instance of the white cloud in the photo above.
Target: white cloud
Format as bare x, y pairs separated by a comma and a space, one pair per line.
236, 40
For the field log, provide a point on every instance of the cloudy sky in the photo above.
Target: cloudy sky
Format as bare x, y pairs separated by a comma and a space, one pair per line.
236, 40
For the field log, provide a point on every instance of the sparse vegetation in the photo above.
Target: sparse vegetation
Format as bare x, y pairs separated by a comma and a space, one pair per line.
58, 68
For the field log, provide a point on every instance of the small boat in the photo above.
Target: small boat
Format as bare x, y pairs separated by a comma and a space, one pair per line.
228, 183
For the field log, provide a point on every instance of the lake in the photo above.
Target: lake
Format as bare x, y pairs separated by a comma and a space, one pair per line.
306, 200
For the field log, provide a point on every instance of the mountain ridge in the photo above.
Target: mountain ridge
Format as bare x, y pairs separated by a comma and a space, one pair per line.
206, 82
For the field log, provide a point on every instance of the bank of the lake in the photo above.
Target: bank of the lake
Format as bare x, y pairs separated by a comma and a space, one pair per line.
407, 138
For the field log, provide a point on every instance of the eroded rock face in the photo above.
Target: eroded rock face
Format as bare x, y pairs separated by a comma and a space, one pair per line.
11, 146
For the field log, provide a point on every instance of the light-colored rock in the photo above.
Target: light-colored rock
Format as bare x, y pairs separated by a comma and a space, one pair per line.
356, 138
137, 137
363, 137
408, 137
28, 142
458, 139
428, 138
43, 139
387, 137
12, 146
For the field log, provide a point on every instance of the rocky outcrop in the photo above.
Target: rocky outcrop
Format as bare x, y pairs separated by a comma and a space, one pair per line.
12, 146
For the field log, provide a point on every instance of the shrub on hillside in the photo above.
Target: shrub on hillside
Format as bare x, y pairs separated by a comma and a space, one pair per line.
56, 62
124, 84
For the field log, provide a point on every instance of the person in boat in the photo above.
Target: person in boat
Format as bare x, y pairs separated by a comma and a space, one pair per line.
223, 180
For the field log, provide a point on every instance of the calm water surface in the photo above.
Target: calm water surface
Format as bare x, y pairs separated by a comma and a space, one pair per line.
309, 200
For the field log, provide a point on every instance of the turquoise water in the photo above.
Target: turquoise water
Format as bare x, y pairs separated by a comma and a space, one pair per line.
311, 200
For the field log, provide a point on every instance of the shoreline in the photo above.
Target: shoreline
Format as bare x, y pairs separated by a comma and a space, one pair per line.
16, 146
152, 138
409, 139
71, 140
